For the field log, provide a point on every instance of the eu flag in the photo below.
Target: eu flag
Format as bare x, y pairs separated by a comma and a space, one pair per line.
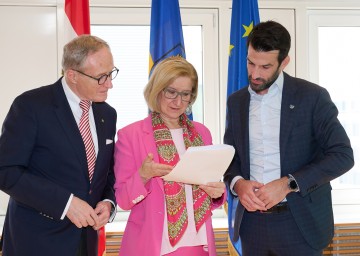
245, 15
166, 37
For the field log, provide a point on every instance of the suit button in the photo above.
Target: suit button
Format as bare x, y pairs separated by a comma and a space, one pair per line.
90, 192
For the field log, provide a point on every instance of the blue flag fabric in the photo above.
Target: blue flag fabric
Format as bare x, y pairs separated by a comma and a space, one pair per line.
166, 36
245, 15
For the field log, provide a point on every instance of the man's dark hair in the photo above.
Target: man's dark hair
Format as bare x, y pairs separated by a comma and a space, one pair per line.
270, 35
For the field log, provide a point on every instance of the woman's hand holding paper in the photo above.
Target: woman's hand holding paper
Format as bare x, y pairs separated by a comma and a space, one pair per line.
214, 189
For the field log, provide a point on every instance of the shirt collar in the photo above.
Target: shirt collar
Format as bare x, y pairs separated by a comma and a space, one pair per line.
70, 95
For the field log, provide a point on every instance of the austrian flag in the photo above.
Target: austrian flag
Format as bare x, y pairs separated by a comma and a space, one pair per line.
77, 18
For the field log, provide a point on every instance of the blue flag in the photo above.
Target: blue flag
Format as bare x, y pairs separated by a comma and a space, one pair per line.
166, 36
245, 15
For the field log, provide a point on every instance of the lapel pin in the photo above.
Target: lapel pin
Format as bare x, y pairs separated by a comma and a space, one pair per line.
292, 106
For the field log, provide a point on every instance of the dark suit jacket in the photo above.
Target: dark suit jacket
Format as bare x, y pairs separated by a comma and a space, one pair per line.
43, 161
314, 148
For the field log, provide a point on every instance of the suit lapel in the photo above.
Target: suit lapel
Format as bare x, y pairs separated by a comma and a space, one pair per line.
100, 131
150, 146
243, 133
148, 134
289, 106
67, 122
240, 127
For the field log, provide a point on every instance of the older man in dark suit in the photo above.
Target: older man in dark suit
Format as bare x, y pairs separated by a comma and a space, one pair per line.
289, 146
56, 158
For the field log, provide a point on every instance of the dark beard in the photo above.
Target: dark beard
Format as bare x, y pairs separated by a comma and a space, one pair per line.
266, 84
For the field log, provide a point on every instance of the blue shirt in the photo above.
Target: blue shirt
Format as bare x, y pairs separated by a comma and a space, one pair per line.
264, 131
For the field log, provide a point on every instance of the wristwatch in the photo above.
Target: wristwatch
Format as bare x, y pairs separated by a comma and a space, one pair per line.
292, 184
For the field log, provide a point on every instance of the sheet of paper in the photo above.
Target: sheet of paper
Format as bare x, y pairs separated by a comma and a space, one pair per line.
200, 165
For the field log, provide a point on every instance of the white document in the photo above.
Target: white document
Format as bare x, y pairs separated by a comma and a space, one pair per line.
200, 165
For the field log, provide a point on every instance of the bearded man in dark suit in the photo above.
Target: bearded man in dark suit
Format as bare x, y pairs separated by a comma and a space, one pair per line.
289, 145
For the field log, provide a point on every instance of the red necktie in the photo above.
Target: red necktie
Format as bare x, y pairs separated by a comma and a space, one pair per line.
84, 127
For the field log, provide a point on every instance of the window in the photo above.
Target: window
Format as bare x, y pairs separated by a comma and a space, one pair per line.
128, 32
130, 48
333, 63
340, 75
334, 36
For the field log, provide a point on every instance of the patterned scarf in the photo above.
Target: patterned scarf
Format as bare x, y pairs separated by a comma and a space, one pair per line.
175, 192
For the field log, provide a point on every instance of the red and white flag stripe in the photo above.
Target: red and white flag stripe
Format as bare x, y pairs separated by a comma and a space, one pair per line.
77, 18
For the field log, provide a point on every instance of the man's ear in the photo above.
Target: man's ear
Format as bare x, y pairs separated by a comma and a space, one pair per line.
71, 76
285, 62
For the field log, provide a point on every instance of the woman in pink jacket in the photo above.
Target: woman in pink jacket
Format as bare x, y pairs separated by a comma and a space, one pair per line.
166, 218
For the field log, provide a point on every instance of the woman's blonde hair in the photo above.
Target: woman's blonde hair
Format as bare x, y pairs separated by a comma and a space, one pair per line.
164, 74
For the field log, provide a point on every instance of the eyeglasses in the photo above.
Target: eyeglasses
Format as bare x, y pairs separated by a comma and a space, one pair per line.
102, 79
171, 93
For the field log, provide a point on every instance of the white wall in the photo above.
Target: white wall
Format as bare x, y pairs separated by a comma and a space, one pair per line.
28, 49
28, 54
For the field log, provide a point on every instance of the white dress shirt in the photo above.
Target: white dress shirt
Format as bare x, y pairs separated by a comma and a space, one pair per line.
264, 131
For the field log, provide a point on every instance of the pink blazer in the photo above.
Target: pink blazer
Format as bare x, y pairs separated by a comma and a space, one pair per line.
144, 229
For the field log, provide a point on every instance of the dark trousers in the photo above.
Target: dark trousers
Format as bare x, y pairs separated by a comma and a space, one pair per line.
273, 234
82, 249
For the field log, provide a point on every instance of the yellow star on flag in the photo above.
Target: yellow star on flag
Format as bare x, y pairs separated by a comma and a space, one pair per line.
230, 48
248, 29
